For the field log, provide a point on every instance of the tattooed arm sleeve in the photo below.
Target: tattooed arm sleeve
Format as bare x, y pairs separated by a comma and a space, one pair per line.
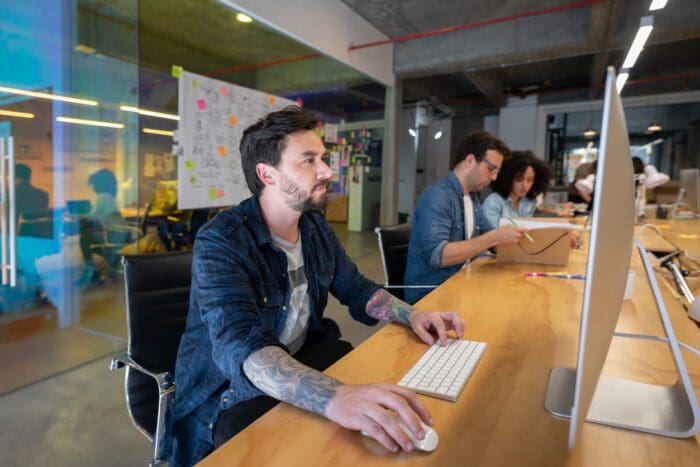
279, 375
385, 306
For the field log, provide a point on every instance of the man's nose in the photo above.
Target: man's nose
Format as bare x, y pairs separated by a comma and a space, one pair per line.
324, 172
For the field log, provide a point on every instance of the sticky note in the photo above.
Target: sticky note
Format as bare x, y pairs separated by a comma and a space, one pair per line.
176, 71
345, 141
223, 90
300, 102
195, 84
221, 150
212, 193
232, 120
189, 164
220, 193
271, 100
201, 104
193, 180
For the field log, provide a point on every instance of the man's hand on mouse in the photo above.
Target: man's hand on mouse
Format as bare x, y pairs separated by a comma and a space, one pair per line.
364, 407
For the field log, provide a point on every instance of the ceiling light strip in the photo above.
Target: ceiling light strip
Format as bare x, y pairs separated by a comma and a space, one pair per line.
80, 121
153, 131
44, 95
646, 24
149, 113
12, 113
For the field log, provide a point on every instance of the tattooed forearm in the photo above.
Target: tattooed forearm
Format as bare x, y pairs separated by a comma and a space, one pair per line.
277, 374
386, 307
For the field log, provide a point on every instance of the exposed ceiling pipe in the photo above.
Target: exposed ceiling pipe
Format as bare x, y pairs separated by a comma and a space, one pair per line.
476, 24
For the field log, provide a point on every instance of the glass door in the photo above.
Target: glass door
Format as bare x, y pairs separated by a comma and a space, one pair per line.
70, 156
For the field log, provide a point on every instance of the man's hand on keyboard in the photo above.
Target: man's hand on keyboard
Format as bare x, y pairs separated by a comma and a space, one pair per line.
363, 407
427, 323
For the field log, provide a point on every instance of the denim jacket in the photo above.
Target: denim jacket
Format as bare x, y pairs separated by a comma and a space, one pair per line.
438, 220
238, 305
496, 207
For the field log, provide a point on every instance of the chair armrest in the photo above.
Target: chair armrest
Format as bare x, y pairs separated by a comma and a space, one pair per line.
164, 379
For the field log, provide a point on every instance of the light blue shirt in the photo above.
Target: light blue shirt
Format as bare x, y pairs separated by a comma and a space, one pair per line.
495, 207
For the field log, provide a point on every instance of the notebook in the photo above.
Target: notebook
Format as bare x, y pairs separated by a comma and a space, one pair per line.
551, 244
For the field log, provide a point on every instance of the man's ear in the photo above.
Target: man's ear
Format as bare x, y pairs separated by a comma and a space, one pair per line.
264, 173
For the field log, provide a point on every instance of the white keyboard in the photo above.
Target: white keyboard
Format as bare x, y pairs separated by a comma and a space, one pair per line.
443, 372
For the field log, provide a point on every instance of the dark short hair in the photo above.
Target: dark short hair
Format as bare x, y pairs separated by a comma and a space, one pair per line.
638, 165
103, 181
477, 143
23, 171
515, 166
265, 140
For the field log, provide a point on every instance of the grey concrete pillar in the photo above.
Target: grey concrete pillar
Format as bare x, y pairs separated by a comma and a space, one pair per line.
388, 212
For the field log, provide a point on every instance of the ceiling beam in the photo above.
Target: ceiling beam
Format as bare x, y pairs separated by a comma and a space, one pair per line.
489, 83
605, 18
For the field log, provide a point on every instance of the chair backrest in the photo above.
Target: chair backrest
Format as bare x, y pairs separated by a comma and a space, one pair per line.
393, 245
157, 302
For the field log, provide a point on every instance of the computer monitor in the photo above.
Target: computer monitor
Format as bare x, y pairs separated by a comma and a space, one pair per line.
583, 393
78, 207
690, 182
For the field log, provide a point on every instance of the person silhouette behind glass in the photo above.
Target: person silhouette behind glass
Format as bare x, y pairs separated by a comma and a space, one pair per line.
104, 215
30, 200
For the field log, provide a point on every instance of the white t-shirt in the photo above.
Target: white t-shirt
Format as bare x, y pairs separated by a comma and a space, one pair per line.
299, 306
468, 217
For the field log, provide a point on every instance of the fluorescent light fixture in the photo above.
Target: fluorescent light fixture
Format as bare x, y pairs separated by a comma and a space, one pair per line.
86, 49
80, 121
412, 132
244, 18
654, 127
438, 134
621, 80
44, 95
153, 131
589, 133
657, 4
12, 113
149, 113
646, 24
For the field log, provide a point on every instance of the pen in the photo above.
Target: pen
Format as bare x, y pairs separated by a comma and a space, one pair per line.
527, 235
555, 275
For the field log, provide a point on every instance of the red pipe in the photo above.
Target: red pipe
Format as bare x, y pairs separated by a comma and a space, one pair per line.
476, 24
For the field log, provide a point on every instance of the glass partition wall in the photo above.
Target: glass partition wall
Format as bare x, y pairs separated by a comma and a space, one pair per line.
95, 176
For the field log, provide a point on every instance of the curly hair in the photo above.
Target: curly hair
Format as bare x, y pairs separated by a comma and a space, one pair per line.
265, 140
515, 166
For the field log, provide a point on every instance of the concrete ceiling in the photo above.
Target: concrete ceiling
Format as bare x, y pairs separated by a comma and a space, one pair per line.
560, 55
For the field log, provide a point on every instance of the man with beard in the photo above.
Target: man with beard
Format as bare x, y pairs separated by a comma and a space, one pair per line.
255, 332
449, 227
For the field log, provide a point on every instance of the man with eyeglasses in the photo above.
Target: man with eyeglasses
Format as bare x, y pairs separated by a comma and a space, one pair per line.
449, 227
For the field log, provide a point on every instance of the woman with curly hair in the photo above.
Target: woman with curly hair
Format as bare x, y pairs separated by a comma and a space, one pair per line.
521, 179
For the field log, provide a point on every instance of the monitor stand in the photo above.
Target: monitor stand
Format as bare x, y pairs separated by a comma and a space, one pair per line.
663, 410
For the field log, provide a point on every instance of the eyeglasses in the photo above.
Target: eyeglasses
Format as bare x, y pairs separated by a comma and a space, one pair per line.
493, 168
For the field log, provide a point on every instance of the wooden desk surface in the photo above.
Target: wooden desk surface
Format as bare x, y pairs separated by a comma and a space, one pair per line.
683, 233
531, 325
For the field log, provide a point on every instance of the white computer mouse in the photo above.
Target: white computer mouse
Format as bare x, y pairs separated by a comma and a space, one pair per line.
428, 443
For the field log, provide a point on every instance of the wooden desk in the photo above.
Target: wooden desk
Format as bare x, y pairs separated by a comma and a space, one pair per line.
684, 233
531, 325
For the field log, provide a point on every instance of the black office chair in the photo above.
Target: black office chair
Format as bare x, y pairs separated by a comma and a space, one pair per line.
157, 301
393, 245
